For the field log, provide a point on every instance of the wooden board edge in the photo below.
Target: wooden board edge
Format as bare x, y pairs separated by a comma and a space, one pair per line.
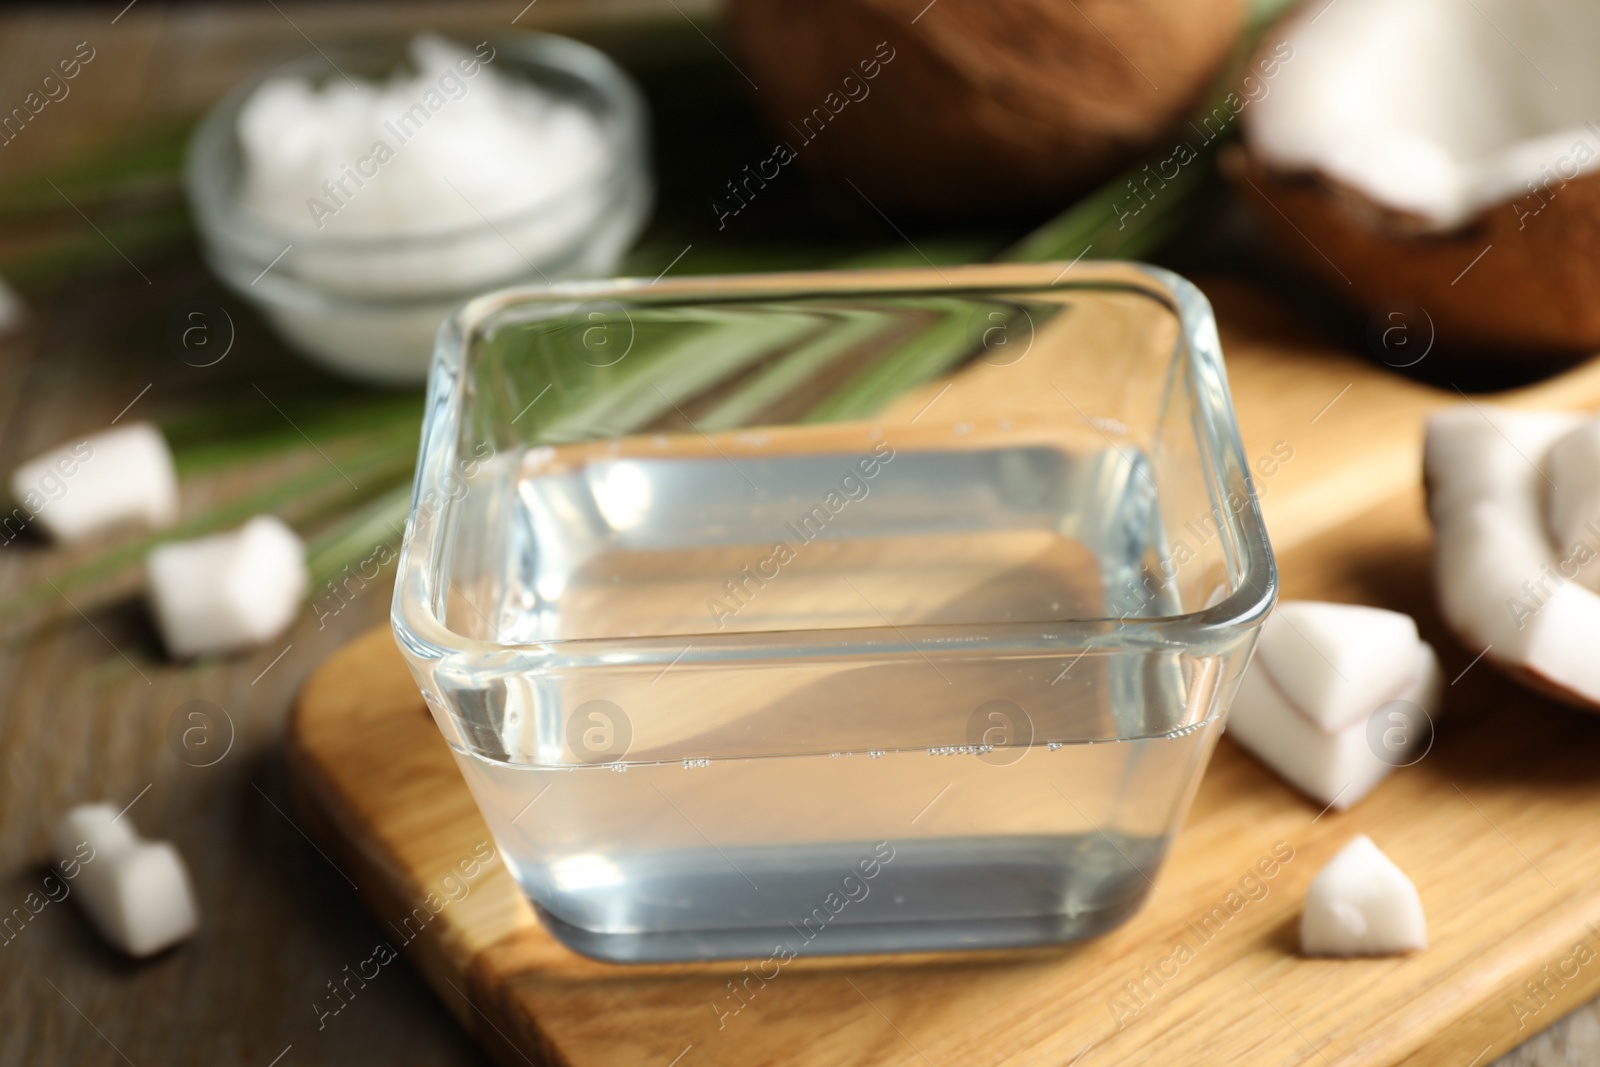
385, 895
1483, 1026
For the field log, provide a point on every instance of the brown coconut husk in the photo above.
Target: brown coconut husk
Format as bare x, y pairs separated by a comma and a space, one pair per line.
1534, 294
985, 102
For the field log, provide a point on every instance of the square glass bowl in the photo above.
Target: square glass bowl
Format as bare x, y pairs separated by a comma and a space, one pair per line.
833, 613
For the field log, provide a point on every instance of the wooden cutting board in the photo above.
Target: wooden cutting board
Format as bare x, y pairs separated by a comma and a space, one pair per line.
1499, 827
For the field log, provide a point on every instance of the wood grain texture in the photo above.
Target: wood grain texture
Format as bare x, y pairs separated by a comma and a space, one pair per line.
1493, 826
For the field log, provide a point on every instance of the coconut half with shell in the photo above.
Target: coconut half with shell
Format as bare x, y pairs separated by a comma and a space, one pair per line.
1515, 501
960, 104
1443, 154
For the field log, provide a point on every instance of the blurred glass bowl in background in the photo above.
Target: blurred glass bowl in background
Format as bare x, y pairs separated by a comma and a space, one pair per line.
368, 305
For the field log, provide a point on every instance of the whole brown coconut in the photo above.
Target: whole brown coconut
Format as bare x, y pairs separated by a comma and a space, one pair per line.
963, 104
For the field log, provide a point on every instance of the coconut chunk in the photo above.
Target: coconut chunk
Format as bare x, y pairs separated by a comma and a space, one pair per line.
1338, 767
1476, 452
1573, 494
84, 487
227, 591
1361, 904
1336, 662
1504, 586
136, 892
1557, 642
1488, 559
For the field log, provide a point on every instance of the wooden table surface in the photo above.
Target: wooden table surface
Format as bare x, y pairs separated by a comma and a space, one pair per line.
85, 706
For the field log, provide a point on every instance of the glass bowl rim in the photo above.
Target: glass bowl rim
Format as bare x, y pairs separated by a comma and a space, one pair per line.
422, 632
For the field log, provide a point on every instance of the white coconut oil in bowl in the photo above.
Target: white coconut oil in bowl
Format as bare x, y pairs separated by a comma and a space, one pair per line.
358, 199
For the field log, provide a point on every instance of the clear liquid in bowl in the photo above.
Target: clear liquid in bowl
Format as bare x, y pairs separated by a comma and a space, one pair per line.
665, 861
672, 848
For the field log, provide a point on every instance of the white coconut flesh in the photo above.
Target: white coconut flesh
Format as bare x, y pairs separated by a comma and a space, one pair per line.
1320, 675
1514, 498
1436, 108
1361, 904
1336, 661
1574, 511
